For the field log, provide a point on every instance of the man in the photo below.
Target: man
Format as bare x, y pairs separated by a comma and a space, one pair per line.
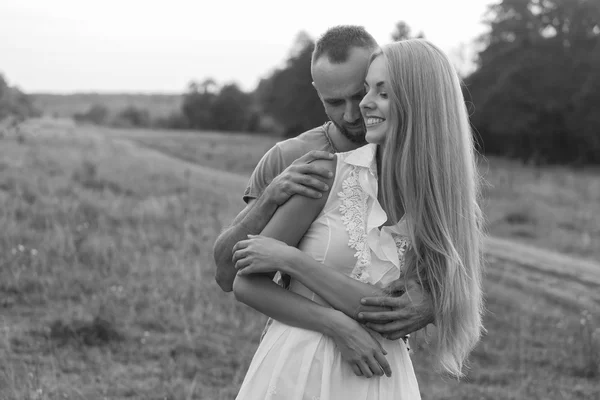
339, 64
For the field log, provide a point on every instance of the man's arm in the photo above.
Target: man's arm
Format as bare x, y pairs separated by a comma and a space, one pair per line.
250, 221
391, 315
408, 313
342, 292
301, 177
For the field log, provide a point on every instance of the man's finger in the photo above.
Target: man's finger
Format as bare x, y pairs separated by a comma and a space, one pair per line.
316, 155
383, 301
381, 316
397, 335
315, 183
395, 326
312, 169
306, 192
397, 287
356, 369
383, 362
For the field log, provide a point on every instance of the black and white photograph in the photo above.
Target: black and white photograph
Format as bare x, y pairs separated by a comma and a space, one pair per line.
261, 200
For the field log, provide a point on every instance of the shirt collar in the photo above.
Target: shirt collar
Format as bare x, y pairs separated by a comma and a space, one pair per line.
363, 156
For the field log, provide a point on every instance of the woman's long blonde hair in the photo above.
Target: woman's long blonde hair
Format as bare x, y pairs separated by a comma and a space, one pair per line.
429, 173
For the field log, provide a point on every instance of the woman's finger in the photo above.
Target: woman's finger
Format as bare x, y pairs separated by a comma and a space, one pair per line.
383, 362
242, 244
243, 263
356, 370
364, 368
238, 255
374, 366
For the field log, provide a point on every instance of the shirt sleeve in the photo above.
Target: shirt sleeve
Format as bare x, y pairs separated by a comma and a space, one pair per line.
269, 166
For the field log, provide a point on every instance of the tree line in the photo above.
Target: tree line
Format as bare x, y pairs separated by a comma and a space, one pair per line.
534, 93
14, 103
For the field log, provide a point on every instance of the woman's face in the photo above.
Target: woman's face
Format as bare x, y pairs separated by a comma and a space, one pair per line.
375, 106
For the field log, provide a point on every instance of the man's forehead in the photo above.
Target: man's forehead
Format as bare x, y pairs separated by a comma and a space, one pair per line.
339, 80
357, 62
341, 91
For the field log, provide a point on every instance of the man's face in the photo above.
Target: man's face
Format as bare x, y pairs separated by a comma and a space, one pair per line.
341, 89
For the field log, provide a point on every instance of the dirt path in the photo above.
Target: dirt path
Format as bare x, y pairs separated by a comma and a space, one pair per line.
550, 262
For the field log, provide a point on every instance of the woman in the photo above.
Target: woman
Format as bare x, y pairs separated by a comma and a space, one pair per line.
420, 217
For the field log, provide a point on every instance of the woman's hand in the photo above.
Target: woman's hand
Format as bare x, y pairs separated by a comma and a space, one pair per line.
359, 348
261, 254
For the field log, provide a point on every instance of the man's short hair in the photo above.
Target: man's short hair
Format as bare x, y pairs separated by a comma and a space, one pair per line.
337, 42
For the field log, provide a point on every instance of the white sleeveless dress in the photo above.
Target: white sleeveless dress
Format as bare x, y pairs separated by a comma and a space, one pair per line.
298, 364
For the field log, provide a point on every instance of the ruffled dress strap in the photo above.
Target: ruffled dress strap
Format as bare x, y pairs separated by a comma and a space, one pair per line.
379, 249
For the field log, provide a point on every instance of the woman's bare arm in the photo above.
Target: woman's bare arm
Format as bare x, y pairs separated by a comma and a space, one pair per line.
341, 291
289, 224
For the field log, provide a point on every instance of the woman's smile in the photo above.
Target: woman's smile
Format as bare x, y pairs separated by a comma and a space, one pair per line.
373, 121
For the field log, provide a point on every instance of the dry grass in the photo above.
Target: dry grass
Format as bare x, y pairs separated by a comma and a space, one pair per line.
107, 291
554, 207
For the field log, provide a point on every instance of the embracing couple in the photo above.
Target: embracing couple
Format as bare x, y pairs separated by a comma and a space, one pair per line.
372, 221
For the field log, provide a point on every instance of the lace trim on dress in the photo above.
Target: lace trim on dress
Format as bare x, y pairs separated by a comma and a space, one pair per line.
402, 245
353, 207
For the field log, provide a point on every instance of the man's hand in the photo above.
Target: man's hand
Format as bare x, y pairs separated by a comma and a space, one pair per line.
409, 313
299, 178
359, 348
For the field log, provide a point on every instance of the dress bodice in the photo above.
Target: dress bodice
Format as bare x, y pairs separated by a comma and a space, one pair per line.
348, 234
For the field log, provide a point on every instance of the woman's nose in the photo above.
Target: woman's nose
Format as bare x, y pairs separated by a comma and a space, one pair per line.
366, 102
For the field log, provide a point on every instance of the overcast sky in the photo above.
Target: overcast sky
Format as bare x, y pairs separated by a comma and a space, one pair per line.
159, 46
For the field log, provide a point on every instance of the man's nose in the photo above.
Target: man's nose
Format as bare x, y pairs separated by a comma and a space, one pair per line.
352, 113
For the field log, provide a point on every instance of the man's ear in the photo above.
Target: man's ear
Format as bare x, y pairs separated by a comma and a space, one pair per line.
318, 94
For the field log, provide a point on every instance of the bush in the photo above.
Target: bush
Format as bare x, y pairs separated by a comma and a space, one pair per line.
15, 103
96, 114
132, 117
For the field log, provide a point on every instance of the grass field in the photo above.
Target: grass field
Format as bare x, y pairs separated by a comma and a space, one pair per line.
106, 272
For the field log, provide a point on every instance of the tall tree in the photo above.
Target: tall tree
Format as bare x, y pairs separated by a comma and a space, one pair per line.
226, 108
197, 103
287, 94
537, 57
231, 109
13, 102
402, 32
